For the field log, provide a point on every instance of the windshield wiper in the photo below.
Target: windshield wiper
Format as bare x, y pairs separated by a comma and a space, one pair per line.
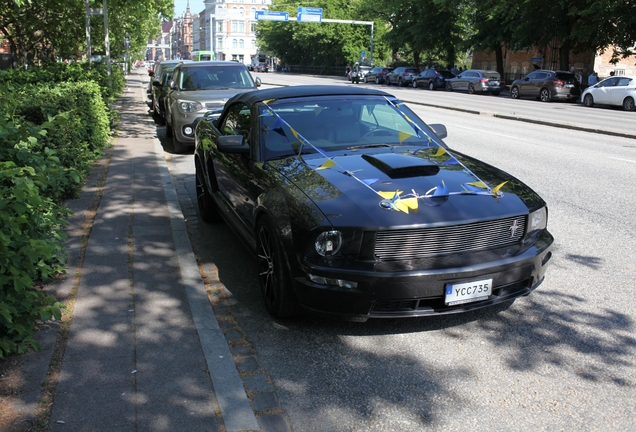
361, 146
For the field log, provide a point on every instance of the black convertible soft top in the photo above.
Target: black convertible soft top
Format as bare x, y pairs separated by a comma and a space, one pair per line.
256, 96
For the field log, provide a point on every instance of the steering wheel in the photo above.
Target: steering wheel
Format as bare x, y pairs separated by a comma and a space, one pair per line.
376, 133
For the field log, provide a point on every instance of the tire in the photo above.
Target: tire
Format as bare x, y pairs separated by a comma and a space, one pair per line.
628, 104
273, 277
545, 95
431, 85
400, 83
387, 81
207, 207
377, 80
178, 146
514, 92
449, 87
471, 89
365, 79
414, 84
588, 101
169, 131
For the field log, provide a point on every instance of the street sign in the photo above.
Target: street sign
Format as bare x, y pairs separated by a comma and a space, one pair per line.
272, 16
309, 14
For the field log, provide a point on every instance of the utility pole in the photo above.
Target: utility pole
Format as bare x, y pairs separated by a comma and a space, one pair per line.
107, 43
88, 32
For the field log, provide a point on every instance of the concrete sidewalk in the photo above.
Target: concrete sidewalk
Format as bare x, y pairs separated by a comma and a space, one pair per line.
144, 350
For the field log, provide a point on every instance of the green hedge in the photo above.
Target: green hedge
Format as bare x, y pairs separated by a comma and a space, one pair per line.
54, 121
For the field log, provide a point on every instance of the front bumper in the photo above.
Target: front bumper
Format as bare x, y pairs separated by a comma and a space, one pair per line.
421, 293
185, 123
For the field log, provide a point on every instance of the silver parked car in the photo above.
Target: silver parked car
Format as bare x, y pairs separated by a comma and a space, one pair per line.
476, 81
197, 88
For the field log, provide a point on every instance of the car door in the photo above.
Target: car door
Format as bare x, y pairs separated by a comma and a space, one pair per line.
169, 96
233, 171
525, 85
619, 91
604, 90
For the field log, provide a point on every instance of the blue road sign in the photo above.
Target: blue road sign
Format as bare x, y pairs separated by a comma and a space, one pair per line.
272, 16
309, 14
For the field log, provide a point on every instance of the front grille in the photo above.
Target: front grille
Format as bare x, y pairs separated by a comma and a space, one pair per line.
408, 244
212, 105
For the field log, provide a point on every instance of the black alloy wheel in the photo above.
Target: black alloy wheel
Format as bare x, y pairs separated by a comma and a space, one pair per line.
588, 101
207, 207
514, 92
628, 104
449, 87
275, 282
471, 89
545, 95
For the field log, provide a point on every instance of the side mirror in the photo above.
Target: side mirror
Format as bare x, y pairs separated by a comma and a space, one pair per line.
232, 144
258, 82
439, 130
173, 85
151, 73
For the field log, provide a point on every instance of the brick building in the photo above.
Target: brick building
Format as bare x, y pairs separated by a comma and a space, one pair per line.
519, 63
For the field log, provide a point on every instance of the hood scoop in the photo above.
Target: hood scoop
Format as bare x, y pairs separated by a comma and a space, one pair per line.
401, 166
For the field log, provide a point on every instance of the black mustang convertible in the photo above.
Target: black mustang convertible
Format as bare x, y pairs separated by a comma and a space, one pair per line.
354, 206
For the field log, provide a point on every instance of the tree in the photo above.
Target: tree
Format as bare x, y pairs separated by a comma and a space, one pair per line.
46, 30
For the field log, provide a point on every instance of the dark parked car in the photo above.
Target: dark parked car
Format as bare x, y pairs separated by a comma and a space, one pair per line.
402, 76
197, 87
432, 79
159, 90
377, 74
476, 81
354, 206
155, 75
547, 85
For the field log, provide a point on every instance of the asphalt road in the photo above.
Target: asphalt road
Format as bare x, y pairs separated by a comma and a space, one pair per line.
561, 359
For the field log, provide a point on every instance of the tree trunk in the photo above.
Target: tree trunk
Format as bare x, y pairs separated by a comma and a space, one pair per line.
499, 59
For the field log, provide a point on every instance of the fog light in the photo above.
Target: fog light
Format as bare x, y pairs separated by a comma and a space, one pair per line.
188, 130
332, 282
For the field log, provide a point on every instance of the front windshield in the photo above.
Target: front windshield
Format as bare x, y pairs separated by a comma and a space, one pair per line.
215, 78
339, 123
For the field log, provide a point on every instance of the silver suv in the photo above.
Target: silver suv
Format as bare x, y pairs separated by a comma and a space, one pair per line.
547, 85
197, 88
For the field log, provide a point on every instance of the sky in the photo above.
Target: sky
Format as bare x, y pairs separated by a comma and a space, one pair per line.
196, 6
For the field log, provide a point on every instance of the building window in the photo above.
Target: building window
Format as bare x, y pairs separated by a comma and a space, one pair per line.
241, 43
219, 43
219, 26
238, 26
234, 43
253, 27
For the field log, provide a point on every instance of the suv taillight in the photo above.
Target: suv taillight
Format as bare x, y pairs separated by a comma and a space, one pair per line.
559, 82
484, 80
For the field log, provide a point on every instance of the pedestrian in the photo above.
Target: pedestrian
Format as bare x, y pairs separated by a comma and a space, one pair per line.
455, 71
612, 73
592, 79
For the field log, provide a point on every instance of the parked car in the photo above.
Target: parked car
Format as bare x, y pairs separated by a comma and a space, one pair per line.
354, 206
155, 75
159, 90
617, 90
376, 74
262, 67
197, 87
476, 81
547, 85
432, 79
402, 76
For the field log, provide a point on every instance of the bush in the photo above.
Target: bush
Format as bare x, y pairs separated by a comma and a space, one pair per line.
82, 131
31, 235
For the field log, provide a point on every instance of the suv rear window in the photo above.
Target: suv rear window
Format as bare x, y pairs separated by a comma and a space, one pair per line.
566, 77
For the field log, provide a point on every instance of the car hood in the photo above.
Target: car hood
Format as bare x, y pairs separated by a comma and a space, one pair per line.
405, 187
210, 95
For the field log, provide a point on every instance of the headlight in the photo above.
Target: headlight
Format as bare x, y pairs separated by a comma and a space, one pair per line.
328, 243
335, 243
538, 220
189, 106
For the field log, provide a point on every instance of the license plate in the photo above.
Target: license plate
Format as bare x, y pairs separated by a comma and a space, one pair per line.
569, 86
468, 292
